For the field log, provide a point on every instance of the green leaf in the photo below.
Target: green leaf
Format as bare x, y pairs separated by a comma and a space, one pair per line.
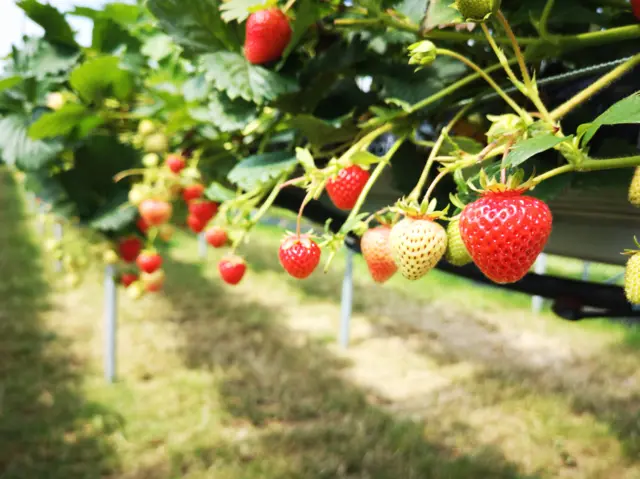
232, 73
114, 216
196, 89
158, 47
101, 77
307, 12
415, 10
240, 9
321, 132
230, 115
195, 24
20, 150
217, 192
526, 149
259, 170
441, 13
40, 59
625, 111
56, 28
122, 13
108, 36
10, 82
57, 123
460, 143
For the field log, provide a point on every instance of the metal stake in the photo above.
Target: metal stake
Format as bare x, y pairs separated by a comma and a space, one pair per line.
539, 268
347, 301
585, 270
110, 323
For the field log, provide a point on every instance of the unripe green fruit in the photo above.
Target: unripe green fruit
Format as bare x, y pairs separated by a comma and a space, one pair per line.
156, 143
150, 160
138, 194
146, 127
477, 10
457, 253
110, 257
632, 279
634, 188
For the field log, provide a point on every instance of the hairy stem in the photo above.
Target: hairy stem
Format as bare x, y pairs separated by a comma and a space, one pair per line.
595, 87
590, 165
544, 19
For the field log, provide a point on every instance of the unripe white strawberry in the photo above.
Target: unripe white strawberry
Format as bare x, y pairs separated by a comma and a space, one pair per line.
418, 244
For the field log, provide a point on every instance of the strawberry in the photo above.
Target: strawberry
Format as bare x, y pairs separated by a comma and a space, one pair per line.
149, 261
457, 253
204, 210
165, 232
192, 192
344, 188
127, 279
635, 7
216, 236
142, 225
477, 10
156, 143
155, 212
176, 163
418, 243
299, 255
232, 269
153, 282
634, 188
632, 279
195, 224
129, 248
505, 232
377, 253
267, 34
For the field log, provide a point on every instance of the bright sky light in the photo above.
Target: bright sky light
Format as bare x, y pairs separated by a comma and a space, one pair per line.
13, 23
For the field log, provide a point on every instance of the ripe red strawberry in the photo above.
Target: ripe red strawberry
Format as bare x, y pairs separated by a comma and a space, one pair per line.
232, 269
376, 251
267, 35
204, 210
142, 225
635, 6
155, 212
216, 236
153, 282
127, 279
505, 232
344, 188
299, 255
195, 224
192, 192
176, 163
149, 261
418, 244
129, 248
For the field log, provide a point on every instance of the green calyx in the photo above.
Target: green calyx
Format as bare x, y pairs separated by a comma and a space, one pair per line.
514, 183
422, 54
413, 209
477, 10
632, 252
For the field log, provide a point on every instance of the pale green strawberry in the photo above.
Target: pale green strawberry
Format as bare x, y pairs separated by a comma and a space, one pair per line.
632, 279
457, 253
418, 244
634, 188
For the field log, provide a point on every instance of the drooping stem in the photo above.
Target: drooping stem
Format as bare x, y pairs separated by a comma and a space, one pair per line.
525, 116
590, 165
433, 184
595, 87
415, 193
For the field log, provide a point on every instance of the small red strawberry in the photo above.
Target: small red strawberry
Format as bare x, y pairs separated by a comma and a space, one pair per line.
155, 212
176, 163
149, 261
377, 253
635, 6
127, 279
267, 34
505, 232
142, 225
299, 255
204, 210
344, 188
216, 236
195, 224
232, 269
192, 192
129, 248
153, 282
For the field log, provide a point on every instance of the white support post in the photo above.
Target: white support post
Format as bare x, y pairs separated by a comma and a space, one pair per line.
110, 323
202, 246
540, 267
347, 301
57, 234
585, 270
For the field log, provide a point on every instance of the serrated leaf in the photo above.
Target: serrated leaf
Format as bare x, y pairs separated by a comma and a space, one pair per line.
364, 158
123, 13
526, 149
305, 158
196, 89
259, 170
158, 47
320, 132
415, 10
625, 111
101, 77
441, 13
195, 24
56, 28
460, 143
41, 59
61, 122
239, 10
232, 73
217, 192
230, 115
114, 216
16, 148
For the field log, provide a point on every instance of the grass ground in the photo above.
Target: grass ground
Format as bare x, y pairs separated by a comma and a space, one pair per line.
443, 379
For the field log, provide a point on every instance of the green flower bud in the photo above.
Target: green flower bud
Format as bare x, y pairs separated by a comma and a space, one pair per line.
422, 53
477, 10
505, 125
